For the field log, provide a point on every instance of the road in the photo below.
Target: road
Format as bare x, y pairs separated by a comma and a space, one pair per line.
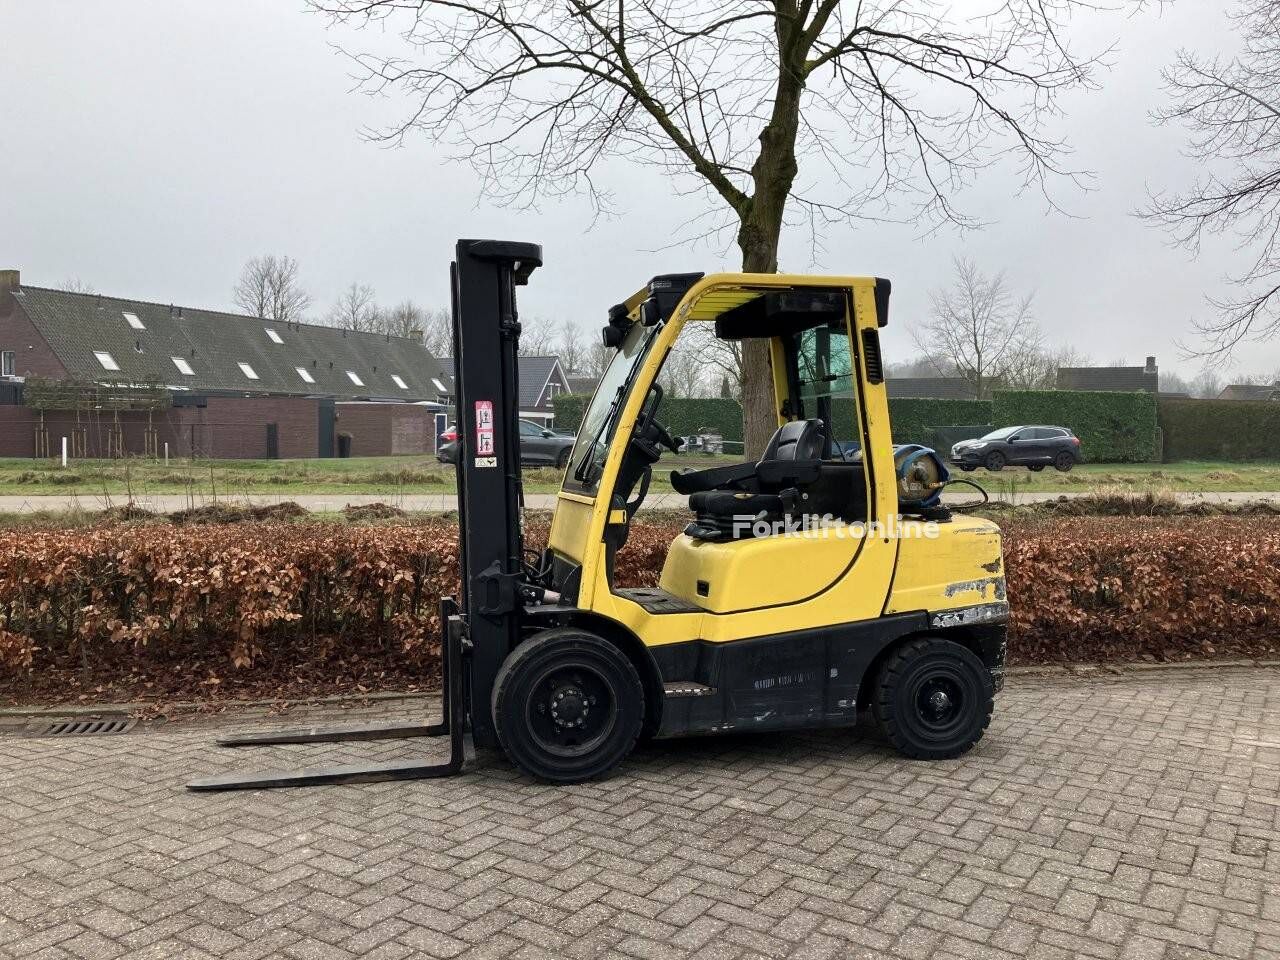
441, 503
1113, 817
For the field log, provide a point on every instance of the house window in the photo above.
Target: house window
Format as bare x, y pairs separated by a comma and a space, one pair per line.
305, 375
272, 335
107, 360
184, 368
8, 363
354, 378
553, 387
132, 320
248, 371
399, 381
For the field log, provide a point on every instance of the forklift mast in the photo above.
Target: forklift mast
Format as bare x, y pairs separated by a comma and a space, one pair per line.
486, 342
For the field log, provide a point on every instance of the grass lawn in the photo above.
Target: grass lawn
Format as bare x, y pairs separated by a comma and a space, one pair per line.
423, 474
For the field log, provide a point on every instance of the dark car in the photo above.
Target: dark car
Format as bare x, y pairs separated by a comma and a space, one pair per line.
539, 447
1032, 447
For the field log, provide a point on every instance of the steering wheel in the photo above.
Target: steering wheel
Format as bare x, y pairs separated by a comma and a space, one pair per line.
649, 433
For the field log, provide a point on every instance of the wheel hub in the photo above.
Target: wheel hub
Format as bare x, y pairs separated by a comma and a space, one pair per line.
570, 707
938, 701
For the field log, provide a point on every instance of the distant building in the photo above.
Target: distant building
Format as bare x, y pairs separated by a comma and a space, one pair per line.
219, 384
585, 385
934, 388
1145, 378
541, 380
1250, 391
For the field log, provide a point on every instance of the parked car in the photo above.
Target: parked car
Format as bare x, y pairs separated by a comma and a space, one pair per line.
539, 447
1033, 447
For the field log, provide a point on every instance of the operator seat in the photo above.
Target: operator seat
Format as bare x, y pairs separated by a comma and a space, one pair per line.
790, 478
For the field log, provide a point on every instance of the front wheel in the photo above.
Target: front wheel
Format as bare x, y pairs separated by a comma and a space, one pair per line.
1035, 467
1064, 462
567, 706
562, 458
995, 461
933, 699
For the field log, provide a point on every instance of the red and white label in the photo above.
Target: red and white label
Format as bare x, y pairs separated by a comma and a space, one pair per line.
484, 428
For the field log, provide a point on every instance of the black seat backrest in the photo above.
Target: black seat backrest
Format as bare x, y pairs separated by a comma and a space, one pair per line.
797, 440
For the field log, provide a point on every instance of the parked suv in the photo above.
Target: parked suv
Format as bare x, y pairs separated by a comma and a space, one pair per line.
1031, 447
538, 447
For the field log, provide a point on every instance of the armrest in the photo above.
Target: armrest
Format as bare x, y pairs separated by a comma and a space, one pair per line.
696, 481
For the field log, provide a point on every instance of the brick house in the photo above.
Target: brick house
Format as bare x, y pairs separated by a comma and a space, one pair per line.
239, 386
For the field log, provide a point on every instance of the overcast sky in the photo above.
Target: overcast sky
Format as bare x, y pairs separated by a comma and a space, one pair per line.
150, 148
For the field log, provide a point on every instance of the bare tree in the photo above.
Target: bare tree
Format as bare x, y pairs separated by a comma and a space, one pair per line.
894, 97
356, 309
572, 347
1232, 110
723, 357
596, 359
537, 337
1207, 384
75, 285
269, 287
406, 319
684, 373
979, 329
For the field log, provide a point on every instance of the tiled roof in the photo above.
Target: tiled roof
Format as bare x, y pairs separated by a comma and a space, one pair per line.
214, 344
1250, 391
1108, 378
534, 374
940, 388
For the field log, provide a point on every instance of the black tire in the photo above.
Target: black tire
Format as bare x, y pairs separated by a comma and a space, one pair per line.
1064, 462
1035, 467
562, 458
582, 674
933, 699
968, 469
995, 461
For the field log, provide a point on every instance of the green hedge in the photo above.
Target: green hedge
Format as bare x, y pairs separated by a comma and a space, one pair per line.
1113, 426
682, 416
1220, 429
915, 419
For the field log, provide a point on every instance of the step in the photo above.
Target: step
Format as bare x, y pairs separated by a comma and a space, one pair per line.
678, 689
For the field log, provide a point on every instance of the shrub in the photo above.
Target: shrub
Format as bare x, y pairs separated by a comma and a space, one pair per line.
313, 600
1220, 429
1112, 426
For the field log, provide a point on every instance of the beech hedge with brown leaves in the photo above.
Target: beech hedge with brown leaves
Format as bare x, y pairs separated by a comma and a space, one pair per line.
250, 596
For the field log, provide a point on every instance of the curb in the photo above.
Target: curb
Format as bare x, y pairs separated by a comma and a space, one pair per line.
1064, 670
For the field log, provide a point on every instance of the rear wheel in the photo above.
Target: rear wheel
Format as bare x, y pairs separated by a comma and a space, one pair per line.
968, 469
994, 461
933, 699
567, 706
1064, 461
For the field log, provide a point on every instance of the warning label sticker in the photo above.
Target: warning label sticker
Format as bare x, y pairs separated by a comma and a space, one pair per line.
484, 434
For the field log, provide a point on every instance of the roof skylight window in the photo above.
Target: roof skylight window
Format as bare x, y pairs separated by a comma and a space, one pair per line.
399, 381
354, 378
305, 374
183, 367
132, 320
272, 335
107, 360
248, 371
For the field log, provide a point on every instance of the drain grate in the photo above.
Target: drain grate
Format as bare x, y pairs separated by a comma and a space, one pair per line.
75, 727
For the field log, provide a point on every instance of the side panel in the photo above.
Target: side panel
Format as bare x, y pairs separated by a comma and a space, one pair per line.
961, 567
804, 678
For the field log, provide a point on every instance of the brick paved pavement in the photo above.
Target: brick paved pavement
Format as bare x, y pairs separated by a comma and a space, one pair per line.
1131, 816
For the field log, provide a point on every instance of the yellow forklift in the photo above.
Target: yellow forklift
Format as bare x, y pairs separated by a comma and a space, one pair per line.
823, 580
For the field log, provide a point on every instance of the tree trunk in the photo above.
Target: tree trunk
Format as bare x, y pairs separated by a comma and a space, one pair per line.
758, 235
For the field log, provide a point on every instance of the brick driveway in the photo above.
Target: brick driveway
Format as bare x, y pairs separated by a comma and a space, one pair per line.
1120, 816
